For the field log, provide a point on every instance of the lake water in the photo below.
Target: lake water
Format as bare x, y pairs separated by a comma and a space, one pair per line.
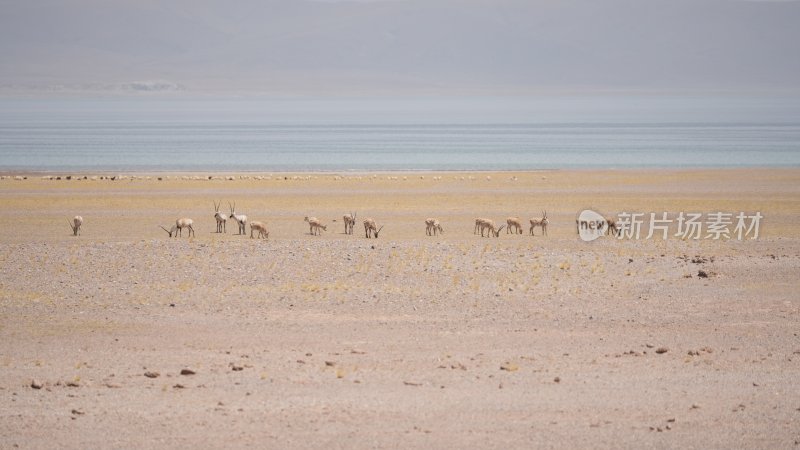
477, 133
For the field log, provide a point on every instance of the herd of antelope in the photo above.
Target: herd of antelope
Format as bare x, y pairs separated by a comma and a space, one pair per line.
486, 227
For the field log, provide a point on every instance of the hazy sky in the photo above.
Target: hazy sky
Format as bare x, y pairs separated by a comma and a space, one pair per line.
424, 46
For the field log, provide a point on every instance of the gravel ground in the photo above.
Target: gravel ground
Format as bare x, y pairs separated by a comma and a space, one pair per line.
406, 341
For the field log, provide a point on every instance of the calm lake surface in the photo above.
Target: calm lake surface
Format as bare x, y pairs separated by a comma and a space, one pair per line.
476, 133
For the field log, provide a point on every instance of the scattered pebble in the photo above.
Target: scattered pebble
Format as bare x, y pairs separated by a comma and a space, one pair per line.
187, 372
557, 379
661, 350
152, 374
509, 367
36, 384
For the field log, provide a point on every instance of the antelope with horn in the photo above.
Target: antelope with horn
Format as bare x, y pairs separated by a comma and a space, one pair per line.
260, 227
612, 228
514, 225
180, 224
349, 223
431, 226
241, 219
315, 225
543, 222
370, 228
492, 230
221, 219
76, 223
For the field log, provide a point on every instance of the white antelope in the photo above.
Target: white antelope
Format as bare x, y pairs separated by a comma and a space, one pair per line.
241, 219
431, 226
260, 227
221, 219
180, 224
370, 228
314, 225
543, 222
514, 225
349, 223
488, 224
76, 223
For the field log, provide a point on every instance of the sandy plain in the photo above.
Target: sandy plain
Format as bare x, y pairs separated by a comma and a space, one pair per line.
407, 341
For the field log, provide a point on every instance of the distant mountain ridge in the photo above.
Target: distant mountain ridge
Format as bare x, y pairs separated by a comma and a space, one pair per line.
397, 46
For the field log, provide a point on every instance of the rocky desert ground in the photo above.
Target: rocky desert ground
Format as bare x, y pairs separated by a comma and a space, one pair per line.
125, 338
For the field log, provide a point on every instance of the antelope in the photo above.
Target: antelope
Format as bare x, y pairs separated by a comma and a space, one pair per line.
431, 225
180, 224
76, 223
349, 223
260, 227
221, 219
612, 226
479, 222
489, 225
241, 219
314, 225
514, 225
370, 228
543, 222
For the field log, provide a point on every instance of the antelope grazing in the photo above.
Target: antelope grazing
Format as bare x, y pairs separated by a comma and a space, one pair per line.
543, 222
76, 223
431, 226
514, 225
241, 219
349, 223
221, 219
488, 224
370, 228
180, 224
261, 228
315, 225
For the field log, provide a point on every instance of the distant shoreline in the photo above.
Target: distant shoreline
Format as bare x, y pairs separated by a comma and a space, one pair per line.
278, 173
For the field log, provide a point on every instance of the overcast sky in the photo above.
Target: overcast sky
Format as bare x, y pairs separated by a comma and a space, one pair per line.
381, 46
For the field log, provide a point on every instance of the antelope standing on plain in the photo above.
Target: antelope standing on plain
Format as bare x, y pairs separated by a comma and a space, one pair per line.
221, 219
479, 223
180, 224
241, 219
260, 227
492, 230
612, 228
315, 225
349, 223
543, 222
371, 228
431, 226
76, 223
514, 225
